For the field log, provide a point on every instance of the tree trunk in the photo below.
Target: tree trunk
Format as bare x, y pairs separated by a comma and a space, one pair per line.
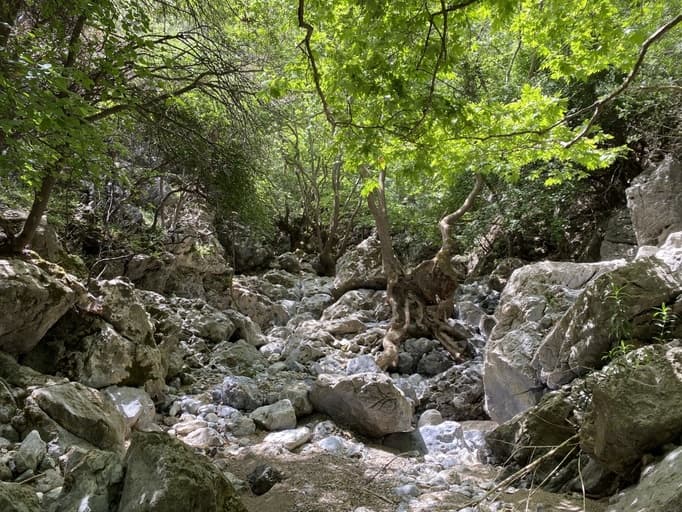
38, 208
395, 275
422, 299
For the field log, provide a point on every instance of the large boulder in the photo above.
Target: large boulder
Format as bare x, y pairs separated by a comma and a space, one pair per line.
367, 402
121, 307
116, 347
620, 300
654, 202
18, 498
534, 299
32, 299
91, 351
535, 432
70, 412
635, 407
91, 477
360, 267
164, 475
658, 490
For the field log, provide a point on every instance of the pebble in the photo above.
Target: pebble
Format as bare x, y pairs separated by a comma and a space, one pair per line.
407, 490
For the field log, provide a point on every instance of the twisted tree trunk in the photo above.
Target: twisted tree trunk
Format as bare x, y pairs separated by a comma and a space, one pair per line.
422, 299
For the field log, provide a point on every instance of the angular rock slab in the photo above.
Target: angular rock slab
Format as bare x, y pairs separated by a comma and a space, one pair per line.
367, 402
81, 411
31, 301
90, 477
164, 475
658, 489
635, 407
654, 202
535, 298
580, 339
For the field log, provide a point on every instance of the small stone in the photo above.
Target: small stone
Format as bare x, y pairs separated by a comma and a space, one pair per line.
430, 417
290, 439
278, 416
203, 438
263, 478
407, 490
30, 453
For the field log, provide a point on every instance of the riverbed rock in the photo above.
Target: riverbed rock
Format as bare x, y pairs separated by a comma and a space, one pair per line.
360, 267
18, 498
634, 407
367, 402
658, 489
258, 307
578, 342
164, 475
533, 301
79, 411
91, 477
290, 439
654, 202
278, 416
32, 300
239, 392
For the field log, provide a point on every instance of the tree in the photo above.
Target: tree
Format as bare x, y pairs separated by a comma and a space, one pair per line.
473, 87
72, 71
321, 201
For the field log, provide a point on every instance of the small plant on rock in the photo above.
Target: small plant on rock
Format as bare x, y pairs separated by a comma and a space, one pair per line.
619, 350
664, 320
620, 325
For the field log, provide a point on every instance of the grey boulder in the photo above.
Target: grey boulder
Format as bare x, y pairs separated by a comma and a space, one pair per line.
367, 402
164, 475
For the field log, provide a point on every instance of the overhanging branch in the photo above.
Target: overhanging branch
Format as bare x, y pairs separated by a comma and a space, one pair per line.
599, 104
307, 50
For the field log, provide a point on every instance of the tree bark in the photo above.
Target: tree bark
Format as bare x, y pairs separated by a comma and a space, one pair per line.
421, 300
38, 208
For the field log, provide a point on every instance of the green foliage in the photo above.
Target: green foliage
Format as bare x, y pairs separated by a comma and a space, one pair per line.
78, 76
616, 297
621, 349
664, 321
